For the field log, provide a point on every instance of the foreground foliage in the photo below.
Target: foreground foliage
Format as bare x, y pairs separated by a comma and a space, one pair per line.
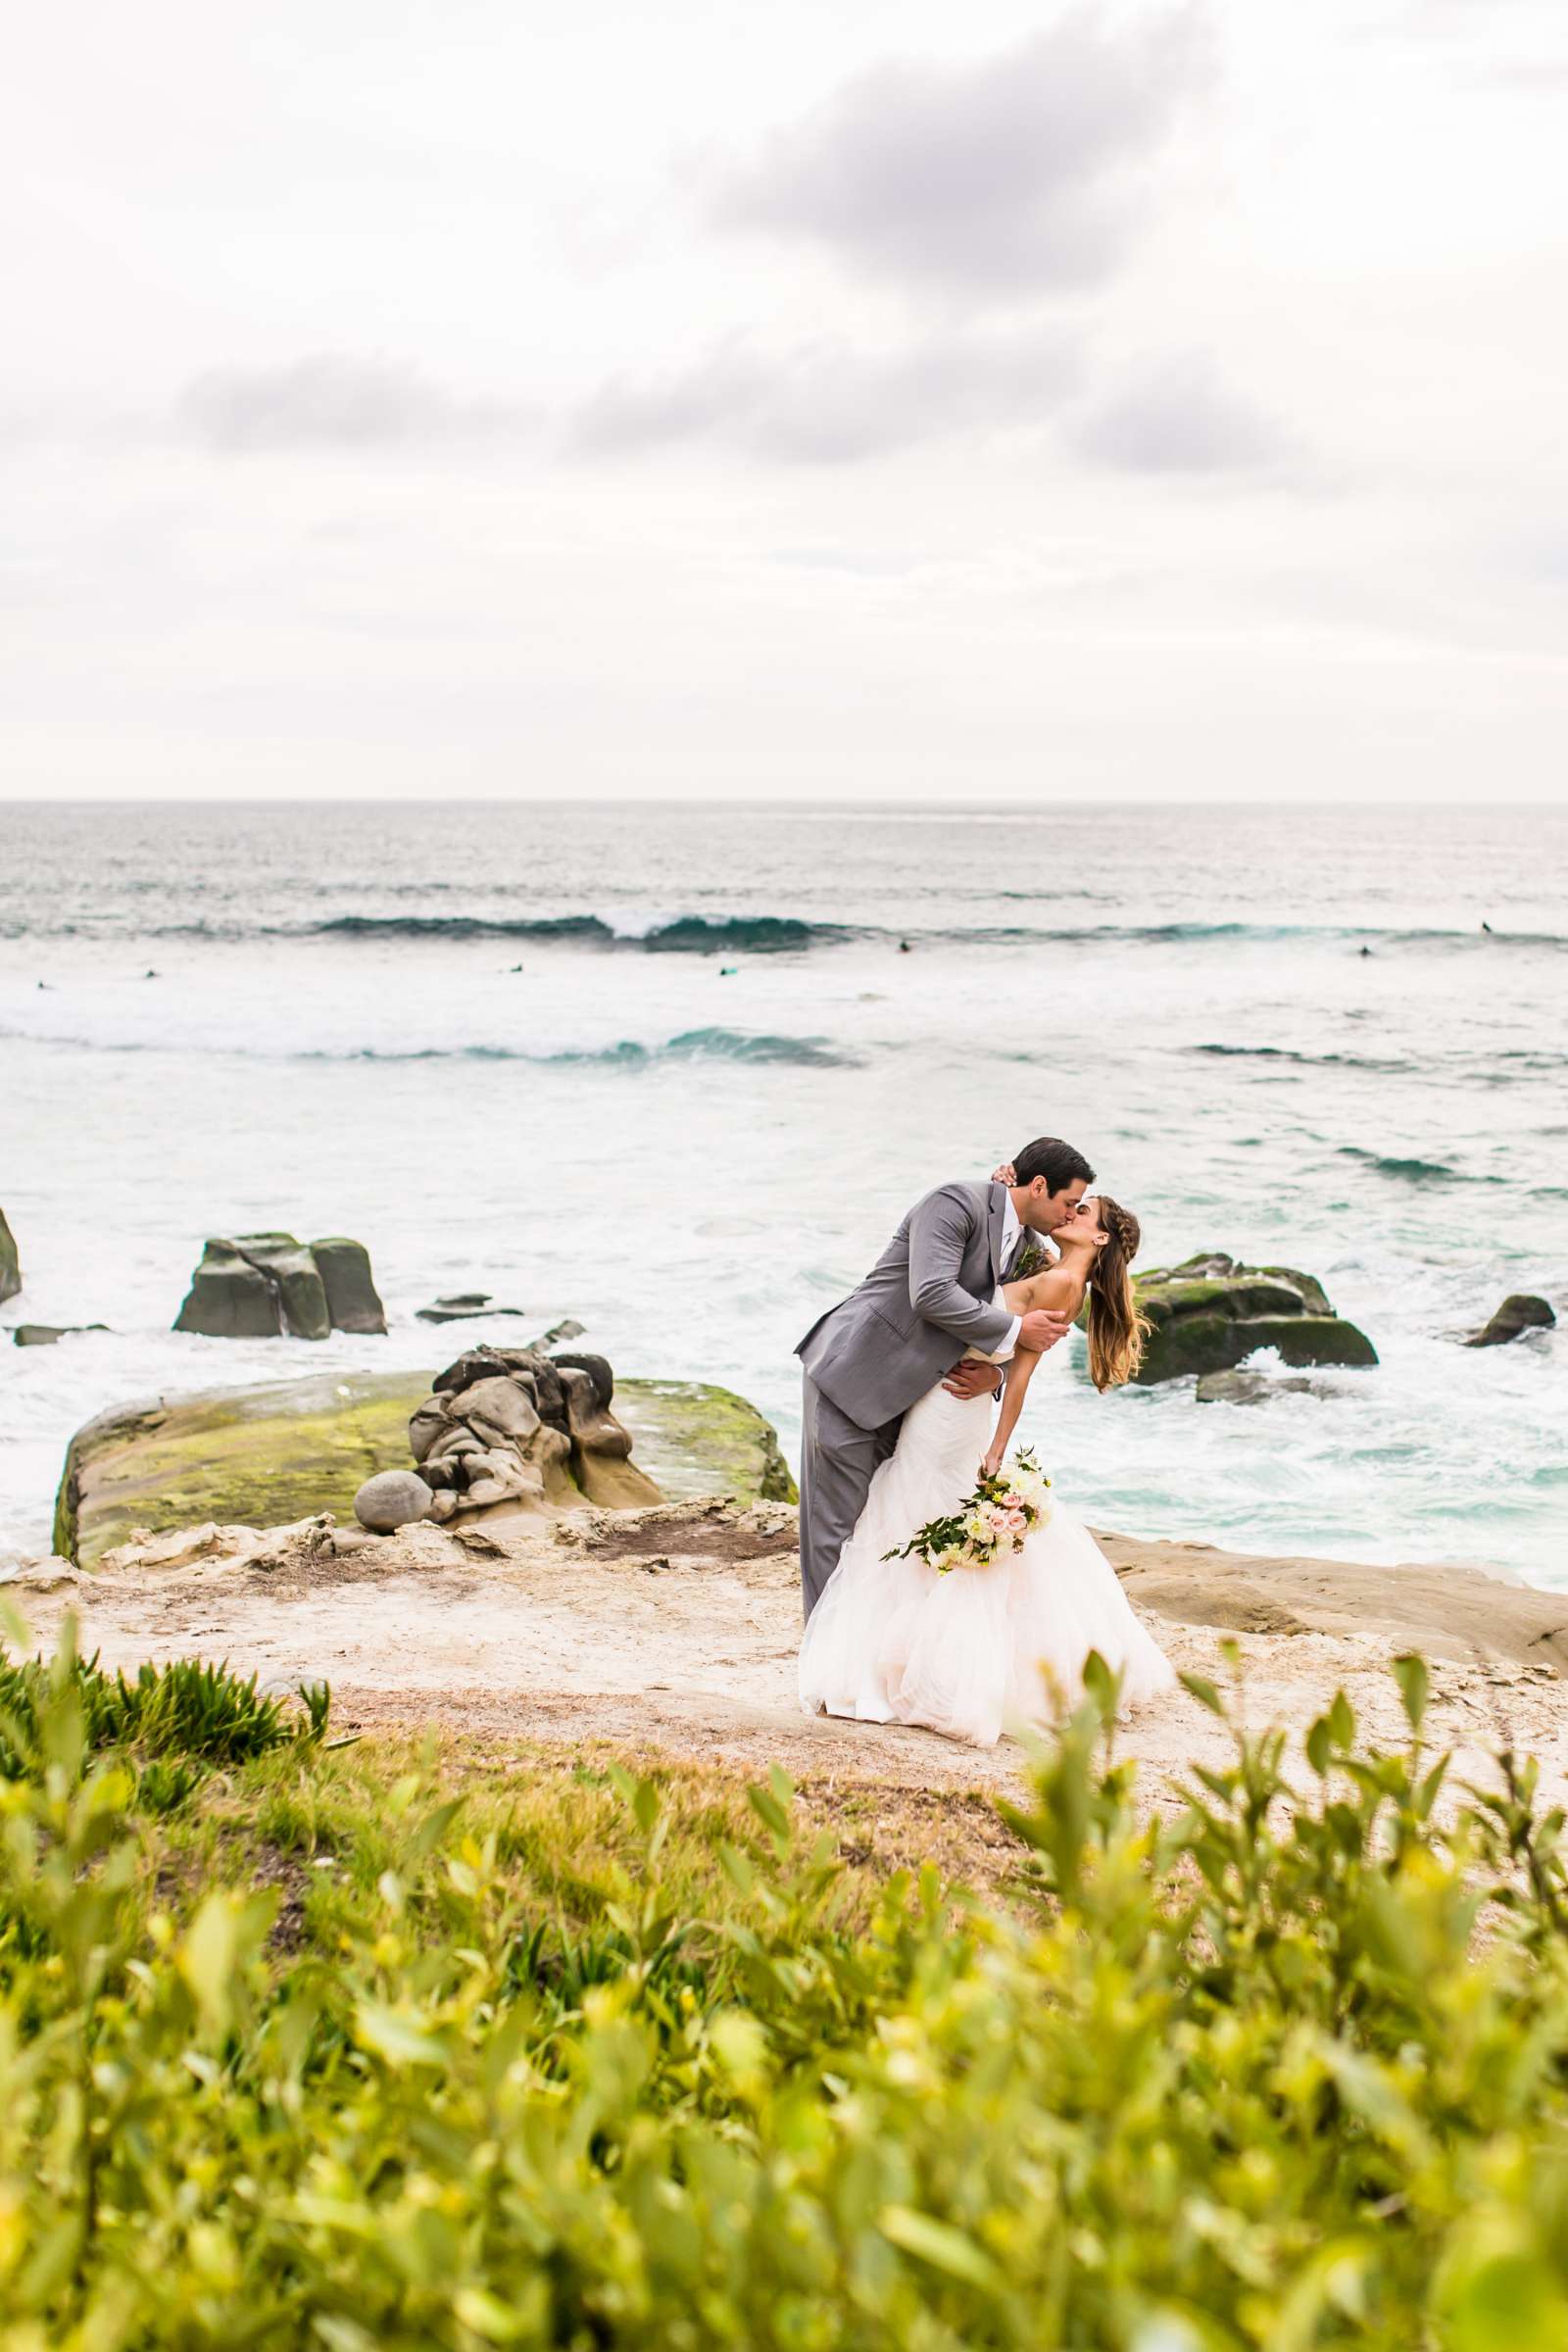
1286, 2070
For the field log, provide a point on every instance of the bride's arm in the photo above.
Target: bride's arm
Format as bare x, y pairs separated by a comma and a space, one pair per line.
1062, 1293
1020, 1372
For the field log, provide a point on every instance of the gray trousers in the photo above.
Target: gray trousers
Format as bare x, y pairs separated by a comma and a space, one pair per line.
838, 1461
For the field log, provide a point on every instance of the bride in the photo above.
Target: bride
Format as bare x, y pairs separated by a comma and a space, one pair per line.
974, 1650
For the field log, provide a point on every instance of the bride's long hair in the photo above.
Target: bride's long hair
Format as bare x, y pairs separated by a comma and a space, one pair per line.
1117, 1329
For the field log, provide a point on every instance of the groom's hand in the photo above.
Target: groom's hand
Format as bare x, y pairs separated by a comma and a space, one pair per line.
972, 1376
1041, 1329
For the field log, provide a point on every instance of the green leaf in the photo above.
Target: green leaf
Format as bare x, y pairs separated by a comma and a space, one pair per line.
944, 2249
400, 2039
1410, 1673
1199, 1686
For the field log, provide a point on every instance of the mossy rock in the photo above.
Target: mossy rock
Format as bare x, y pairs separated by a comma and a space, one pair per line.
9, 1261
1211, 1312
696, 1440
1215, 1344
266, 1457
246, 1458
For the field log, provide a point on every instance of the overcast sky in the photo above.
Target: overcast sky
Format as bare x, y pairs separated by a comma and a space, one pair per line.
457, 397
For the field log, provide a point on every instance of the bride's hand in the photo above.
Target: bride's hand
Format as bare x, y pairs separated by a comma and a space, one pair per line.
1005, 1174
992, 1463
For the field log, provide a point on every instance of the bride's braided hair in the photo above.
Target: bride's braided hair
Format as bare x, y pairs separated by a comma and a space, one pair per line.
1117, 1329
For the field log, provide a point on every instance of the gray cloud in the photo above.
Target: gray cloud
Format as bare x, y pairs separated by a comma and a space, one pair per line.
822, 404
1013, 176
336, 401
1180, 420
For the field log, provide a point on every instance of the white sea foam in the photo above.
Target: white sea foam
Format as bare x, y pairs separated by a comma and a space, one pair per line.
693, 1151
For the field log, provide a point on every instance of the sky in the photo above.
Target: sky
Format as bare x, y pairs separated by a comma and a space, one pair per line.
452, 399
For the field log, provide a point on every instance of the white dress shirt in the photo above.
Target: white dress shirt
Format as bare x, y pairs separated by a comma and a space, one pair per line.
1012, 1226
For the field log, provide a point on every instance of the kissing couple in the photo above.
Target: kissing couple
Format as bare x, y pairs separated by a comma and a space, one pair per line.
901, 1383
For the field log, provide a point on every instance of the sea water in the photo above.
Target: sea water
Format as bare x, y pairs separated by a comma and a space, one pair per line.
676, 1071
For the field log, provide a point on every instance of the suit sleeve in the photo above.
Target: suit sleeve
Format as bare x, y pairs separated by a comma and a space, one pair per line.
940, 1229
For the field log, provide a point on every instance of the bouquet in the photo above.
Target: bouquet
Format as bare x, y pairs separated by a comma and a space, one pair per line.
988, 1523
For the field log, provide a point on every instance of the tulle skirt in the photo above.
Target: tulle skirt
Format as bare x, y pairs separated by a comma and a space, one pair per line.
976, 1651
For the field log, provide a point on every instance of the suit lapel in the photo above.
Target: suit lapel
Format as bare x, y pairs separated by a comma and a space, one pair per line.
998, 1203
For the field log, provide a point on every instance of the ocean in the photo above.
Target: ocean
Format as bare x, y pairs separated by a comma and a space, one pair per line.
676, 1071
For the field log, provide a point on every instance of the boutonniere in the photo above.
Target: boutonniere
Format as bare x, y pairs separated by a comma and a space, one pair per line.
1032, 1258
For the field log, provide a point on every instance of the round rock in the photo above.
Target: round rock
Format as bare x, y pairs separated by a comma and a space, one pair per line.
392, 1500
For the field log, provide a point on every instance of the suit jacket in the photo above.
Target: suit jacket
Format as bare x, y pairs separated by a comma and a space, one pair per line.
929, 1296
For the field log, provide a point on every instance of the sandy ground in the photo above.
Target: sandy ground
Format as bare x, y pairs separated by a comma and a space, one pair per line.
675, 1629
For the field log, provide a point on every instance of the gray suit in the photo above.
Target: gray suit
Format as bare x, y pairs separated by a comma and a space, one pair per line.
927, 1298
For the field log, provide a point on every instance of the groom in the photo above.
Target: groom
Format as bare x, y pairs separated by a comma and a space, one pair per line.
931, 1294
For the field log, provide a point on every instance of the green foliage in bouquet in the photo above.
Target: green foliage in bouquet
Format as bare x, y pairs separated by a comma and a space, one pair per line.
973, 1534
1287, 2070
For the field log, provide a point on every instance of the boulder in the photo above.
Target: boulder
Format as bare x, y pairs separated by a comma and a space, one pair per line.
1210, 1312
292, 1270
393, 1498
289, 1450
1520, 1311
461, 1308
10, 1263
1252, 1388
44, 1335
353, 1301
229, 1298
267, 1286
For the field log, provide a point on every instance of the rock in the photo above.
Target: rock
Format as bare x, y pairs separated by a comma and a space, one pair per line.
286, 1451
10, 1263
502, 1404
1210, 1312
352, 1300
1520, 1311
44, 1335
393, 1498
1252, 1388
427, 1427
601, 1447
229, 1298
461, 1308
599, 1373
258, 1456
693, 1440
268, 1285
47, 1575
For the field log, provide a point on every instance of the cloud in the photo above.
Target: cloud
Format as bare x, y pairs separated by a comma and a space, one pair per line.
1010, 177
1180, 420
337, 401
825, 403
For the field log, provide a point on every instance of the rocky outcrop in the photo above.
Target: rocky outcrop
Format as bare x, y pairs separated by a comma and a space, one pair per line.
291, 1450
265, 1286
44, 1335
1520, 1313
10, 1263
511, 1429
256, 1458
696, 1440
1210, 1312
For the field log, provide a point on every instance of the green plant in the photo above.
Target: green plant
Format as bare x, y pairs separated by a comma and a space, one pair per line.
1286, 2069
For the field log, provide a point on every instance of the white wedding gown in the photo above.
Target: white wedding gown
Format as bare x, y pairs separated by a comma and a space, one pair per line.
978, 1649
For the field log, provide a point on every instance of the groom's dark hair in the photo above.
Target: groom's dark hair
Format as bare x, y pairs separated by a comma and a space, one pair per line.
1057, 1163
